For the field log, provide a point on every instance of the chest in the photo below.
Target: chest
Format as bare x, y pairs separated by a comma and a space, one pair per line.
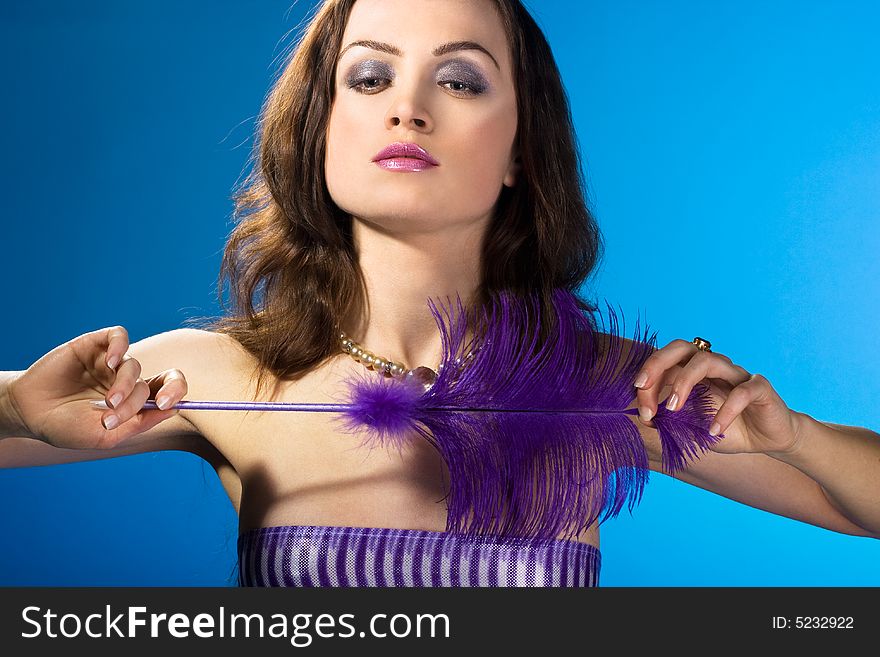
298, 468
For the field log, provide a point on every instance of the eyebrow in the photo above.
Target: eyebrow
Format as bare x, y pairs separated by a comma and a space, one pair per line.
451, 46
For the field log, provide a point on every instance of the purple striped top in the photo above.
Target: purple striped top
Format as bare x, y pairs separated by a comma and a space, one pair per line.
368, 556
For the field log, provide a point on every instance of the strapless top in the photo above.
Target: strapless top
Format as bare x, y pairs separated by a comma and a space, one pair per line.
310, 555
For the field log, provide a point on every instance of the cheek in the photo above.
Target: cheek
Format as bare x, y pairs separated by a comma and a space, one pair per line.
344, 169
485, 149
342, 140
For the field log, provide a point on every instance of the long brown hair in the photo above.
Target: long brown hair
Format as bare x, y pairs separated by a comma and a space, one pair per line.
290, 261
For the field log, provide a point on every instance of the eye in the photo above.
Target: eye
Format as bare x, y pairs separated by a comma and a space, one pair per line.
372, 85
367, 85
462, 88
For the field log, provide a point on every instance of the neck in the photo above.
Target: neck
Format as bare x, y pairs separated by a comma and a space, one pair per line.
400, 273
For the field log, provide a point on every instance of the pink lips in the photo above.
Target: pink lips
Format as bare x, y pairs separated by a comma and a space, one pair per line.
403, 156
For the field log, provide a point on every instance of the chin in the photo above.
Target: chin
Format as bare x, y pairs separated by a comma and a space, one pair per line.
397, 219
388, 206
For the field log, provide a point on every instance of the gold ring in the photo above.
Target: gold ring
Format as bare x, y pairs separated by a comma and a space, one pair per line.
702, 345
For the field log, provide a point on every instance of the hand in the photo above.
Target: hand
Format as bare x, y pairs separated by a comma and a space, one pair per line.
751, 415
52, 397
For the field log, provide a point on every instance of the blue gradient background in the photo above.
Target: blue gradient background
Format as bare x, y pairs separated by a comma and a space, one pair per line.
733, 156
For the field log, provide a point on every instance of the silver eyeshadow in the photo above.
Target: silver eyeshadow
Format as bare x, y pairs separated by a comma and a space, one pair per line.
455, 70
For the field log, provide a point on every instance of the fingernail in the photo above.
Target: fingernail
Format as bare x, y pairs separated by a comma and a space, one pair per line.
641, 380
645, 414
112, 362
671, 402
163, 402
111, 421
714, 429
115, 399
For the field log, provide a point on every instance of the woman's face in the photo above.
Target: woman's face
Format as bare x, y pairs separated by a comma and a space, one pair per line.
456, 102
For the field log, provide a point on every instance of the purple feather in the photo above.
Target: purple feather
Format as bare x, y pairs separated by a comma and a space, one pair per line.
386, 408
536, 435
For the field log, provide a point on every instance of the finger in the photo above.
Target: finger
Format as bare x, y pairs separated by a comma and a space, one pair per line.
753, 389
101, 351
703, 365
653, 371
676, 353
129, 406
117, 345
127, 375
167, 388
141, 422
647, 410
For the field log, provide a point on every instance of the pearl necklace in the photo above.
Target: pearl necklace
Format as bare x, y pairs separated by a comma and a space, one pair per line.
424, 375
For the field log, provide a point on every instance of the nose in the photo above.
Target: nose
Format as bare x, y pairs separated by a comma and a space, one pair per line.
408, 110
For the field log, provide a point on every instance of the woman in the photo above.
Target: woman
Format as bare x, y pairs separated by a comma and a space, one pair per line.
339, 234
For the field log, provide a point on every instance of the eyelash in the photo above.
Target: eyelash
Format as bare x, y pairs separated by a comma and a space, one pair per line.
467, 91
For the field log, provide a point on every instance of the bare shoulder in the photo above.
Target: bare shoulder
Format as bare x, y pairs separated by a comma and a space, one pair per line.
191, 345
214, 364
607, 341
209, 360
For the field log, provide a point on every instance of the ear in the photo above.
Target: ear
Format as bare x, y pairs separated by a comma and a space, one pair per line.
512, 173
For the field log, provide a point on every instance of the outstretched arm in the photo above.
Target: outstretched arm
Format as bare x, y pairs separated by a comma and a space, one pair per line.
771, 457
845, 462
46, 418
763, 482
10, 424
